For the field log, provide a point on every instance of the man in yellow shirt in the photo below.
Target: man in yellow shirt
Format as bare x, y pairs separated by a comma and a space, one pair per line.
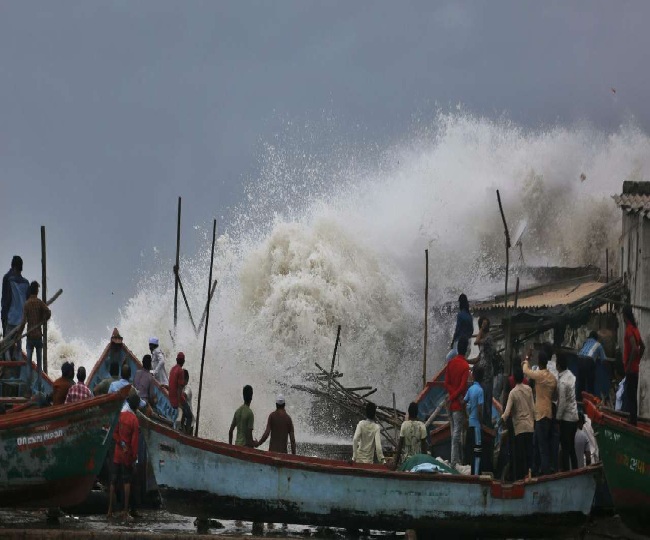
545, 390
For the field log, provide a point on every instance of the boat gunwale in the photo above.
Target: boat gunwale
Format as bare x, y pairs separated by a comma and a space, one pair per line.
340, 467
43, 414
603, 417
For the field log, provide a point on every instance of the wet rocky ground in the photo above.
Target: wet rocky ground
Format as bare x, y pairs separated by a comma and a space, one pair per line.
158, 523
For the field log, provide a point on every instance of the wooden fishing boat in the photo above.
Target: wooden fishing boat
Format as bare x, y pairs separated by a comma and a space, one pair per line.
117, 352
203, 478
12, 389
49, 457
625, 453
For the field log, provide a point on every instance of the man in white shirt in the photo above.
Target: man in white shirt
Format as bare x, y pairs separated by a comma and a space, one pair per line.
367, 440
567, 412
412, 437
158, 362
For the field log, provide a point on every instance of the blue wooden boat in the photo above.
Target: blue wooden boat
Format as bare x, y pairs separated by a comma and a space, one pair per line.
14, 399
116, 351
203, 478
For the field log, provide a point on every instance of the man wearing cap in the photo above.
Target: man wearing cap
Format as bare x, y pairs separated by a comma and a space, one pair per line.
158, 362
280, 426
176, 384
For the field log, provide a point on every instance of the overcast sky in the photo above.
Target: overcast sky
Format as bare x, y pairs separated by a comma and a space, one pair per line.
110, 110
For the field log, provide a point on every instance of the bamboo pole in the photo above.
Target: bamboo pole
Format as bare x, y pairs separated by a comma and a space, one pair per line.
187, 305
214, 286
177, 265
205, 330
336, 346
43, 296
426, 317
508, 246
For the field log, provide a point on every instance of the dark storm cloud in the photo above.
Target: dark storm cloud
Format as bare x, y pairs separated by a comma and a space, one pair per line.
110, 110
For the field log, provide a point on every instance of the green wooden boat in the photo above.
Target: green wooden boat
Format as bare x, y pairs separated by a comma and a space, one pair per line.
49, 457
625, 453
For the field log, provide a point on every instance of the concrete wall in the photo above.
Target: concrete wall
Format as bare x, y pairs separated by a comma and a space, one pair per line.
635, 253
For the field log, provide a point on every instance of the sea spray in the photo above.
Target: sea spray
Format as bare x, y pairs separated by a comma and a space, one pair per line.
328, 240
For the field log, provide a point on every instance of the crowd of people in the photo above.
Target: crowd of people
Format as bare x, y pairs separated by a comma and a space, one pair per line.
534, 412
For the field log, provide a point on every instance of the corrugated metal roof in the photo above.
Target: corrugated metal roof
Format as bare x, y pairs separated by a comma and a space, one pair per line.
632, 202
557, 294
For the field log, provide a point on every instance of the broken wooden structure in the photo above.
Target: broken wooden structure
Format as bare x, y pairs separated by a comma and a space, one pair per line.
353, 400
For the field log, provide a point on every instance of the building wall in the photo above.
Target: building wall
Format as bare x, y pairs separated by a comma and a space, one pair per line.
635, 253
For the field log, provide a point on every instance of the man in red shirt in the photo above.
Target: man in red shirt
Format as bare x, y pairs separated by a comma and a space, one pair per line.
125, 455
456, 386
633, 349
176, 384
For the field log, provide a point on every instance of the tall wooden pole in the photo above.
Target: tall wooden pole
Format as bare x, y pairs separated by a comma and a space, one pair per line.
44, 294
607, 266
426, 316
205, 329
508, 246
176, 267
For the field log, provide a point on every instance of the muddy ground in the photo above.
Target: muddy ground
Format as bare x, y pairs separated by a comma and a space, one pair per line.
156, 523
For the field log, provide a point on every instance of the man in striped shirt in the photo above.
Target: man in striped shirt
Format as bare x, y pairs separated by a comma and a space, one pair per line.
79, 391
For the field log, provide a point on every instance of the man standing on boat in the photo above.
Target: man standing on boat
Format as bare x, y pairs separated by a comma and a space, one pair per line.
79, 391
280, 427
125, 380
102, 387
464, 323
188, 413
176, 384
521, 407
456, 376
63, 384
412, 437
474, 400
14, 296
545, 390
567, 412
590, 359
633, 349
158, 362
35, 313
367, 440
243, 420
143, 381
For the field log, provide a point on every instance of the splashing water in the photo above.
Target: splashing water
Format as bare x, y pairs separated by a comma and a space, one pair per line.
328, 240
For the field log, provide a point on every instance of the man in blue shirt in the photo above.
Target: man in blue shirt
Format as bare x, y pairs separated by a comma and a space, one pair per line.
474, 400
14, 296
591, 368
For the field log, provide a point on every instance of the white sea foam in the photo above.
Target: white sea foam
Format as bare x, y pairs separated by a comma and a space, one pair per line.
332, 239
